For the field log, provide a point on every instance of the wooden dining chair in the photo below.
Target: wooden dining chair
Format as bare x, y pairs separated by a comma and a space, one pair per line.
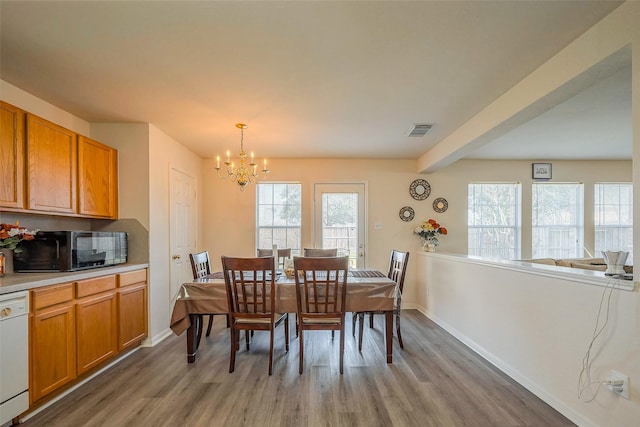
201, 267
251, 296
397, 269
283, 254
313, 252
321, 294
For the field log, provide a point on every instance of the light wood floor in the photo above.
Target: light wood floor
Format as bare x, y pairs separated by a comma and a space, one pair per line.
434, 381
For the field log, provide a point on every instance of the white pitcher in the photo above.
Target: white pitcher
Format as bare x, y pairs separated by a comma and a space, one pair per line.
615, 262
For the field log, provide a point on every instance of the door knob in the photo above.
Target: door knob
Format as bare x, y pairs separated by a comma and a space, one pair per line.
176, 257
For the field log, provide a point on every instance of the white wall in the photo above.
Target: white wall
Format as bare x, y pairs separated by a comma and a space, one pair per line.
164, 152
537, 329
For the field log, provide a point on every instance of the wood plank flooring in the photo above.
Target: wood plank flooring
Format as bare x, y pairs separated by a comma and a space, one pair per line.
435, 381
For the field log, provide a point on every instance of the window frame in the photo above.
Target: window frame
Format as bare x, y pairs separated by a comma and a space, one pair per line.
295, 249
600, 227
506, 253
578, 227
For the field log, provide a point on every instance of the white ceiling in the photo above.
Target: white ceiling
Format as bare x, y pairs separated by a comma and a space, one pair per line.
311, 79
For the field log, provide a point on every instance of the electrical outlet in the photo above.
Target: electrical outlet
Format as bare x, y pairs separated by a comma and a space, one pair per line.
622, 390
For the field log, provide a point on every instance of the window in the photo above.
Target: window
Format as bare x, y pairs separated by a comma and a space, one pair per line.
557, 220
494, 220
613, 218
279, 216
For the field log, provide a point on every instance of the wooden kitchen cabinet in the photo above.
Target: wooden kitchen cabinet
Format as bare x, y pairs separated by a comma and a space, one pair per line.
52, 341
97, 179
11, 156
46, 168
96, 322
132, 308
75, 327
51, 166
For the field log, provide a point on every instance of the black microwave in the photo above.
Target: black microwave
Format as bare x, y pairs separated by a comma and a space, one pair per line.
71, 251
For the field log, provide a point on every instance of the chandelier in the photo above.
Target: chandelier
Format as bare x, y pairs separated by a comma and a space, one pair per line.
244, 173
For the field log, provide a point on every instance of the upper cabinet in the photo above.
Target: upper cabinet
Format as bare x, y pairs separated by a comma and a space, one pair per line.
49, 169
97, 179
11, 156
51, 166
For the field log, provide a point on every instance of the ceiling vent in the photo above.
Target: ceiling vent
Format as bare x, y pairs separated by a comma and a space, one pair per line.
419, 130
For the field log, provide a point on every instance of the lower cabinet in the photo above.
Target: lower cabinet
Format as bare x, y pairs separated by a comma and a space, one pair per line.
96, 322
132, 308
53, 340
78, 326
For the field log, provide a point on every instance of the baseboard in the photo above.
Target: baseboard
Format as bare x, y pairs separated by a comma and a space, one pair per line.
156, 339
512, 372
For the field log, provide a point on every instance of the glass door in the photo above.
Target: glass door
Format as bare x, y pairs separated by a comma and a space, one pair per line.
340, 220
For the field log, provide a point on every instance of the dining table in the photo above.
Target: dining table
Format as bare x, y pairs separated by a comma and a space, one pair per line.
367, 290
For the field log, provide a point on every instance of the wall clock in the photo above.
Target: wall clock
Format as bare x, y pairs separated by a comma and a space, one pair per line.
440, 205
407, 213
420, 189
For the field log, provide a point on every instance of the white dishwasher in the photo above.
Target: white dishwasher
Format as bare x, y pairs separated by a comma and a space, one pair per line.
14, 355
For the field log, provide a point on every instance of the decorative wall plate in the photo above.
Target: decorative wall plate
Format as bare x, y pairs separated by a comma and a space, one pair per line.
420, 189
407, 213
440, 205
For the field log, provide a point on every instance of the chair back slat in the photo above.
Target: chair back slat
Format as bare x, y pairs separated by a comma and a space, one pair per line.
323, 283
250, 285
200, 265
398, 267
283, 254
313, 252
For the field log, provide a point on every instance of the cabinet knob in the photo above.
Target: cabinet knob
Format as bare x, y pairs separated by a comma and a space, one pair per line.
5, 312
176, 257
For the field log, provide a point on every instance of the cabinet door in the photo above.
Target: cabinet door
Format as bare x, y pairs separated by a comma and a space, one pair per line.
11, 156
51, 166
96, 329
52, 349
97, 179
132, 307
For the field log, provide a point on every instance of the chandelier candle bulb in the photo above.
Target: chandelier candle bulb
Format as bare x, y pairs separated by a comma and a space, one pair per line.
217, 162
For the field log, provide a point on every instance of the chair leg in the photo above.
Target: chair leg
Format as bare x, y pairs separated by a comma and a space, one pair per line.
246, 338
398, 330
300, 338
360, 330
199, 330
353, 323
296, 324
333, 333
286, 333
371, 320
228, 324
271, 333
233, 347
210, 324
341, 348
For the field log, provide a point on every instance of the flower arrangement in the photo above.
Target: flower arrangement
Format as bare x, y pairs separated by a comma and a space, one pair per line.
429, 230
12, 234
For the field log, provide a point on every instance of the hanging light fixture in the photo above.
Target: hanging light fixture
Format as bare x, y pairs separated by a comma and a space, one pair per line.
244, 173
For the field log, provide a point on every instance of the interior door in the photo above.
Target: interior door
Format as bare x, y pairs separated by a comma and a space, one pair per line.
183, 228
340, 220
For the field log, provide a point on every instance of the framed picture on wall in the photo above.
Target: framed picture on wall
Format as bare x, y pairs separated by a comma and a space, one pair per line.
541, 170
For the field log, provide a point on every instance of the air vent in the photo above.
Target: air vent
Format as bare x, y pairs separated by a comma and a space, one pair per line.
419, 130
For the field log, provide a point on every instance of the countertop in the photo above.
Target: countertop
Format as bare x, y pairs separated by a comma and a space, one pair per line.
23, 281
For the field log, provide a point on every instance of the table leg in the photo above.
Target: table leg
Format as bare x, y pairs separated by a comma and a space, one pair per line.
388, 324
193, 336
